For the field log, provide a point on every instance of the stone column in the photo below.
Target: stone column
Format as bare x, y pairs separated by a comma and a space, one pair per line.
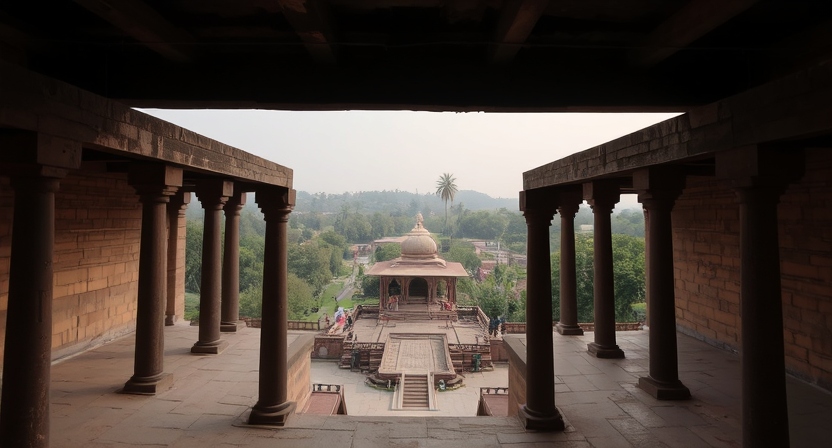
539, 412
273, 406
154, 183
24, 407
176, 256
765, 418
568, 324
212, 193
230, 313
663, 379
602, 197
759, 175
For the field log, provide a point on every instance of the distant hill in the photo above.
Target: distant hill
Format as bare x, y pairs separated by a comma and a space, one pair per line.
398, 202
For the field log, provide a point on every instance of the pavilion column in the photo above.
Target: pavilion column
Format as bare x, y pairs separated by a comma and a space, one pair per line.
759, 175
764, 411
24, 407
568, 324
176, 256
657, 191
539, 412
602, 197
154, 183
213, 194
273, 406
230, 313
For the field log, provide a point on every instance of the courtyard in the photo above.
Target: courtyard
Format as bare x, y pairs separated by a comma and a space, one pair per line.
211, 396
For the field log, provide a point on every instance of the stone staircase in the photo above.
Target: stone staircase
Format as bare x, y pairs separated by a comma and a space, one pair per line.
415, 392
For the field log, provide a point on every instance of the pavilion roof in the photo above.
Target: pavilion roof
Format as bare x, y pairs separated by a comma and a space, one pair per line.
400, 268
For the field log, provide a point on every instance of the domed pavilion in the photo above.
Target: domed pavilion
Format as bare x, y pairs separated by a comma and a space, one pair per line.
419, 276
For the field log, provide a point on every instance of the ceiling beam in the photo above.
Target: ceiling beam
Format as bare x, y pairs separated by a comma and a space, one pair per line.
310, 20
147, 26
694, 20
516, 22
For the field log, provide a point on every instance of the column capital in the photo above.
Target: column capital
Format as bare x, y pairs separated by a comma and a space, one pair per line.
154, 180
538, 203
213, 193
658, 187
179, 202
275, 202
36, 148
235, 202
569, 201
602, 195
759, 166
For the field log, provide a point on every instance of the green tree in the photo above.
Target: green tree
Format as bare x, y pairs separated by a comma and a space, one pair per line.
386, 252
464, 252
370, 286
193, 255
446, 189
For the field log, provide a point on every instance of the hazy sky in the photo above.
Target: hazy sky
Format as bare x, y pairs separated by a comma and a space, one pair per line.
335, 152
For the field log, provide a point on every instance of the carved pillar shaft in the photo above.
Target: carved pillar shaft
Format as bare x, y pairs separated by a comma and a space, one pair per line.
213, 195
24, 407
663, 380
602, 197
230, 313
539, 412
764, 409
154, 184
568, 324
273, 406
176, 256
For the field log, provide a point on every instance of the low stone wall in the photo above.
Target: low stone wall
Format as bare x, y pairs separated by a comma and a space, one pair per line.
520, 327
498, 351
516, 351
254, 322
299, 370
328, 347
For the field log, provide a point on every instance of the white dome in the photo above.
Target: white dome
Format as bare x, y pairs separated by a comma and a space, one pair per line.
419, 244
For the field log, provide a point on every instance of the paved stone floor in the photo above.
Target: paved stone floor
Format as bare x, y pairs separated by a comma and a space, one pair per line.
211, 396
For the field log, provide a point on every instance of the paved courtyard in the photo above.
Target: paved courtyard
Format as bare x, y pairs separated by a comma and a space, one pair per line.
211, 396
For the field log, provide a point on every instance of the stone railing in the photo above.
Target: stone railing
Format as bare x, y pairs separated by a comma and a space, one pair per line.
254, 322
520, 327
493, 390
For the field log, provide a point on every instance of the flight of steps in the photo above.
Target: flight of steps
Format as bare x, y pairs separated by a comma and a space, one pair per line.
415, 392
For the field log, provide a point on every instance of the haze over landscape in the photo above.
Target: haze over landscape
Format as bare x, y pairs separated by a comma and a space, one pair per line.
352, 151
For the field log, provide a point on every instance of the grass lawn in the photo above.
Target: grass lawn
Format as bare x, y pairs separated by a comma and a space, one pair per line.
191, 305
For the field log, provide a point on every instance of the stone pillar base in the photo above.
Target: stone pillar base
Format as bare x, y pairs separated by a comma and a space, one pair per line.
147, 386
662, 390
600, 351
569, 330
170, 319
534, 420
209, 348
231, 327
271, 415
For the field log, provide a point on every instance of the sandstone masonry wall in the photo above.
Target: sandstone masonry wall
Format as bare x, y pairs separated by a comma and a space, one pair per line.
707, 267
96, 259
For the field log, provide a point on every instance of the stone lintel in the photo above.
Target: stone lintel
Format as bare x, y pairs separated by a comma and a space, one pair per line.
209, 348
36, 148
148, 387
662, 390
605, 352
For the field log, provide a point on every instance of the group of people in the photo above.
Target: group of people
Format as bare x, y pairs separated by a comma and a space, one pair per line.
343, 319
496, 325
393, 303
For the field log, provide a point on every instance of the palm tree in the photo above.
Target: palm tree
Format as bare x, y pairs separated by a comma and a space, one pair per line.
446, 189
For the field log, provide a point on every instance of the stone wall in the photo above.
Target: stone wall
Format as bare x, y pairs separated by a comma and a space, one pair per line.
707, 267
96, 259
299, 385
516, 349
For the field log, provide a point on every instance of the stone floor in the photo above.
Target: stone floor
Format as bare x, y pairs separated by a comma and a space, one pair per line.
211, 395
